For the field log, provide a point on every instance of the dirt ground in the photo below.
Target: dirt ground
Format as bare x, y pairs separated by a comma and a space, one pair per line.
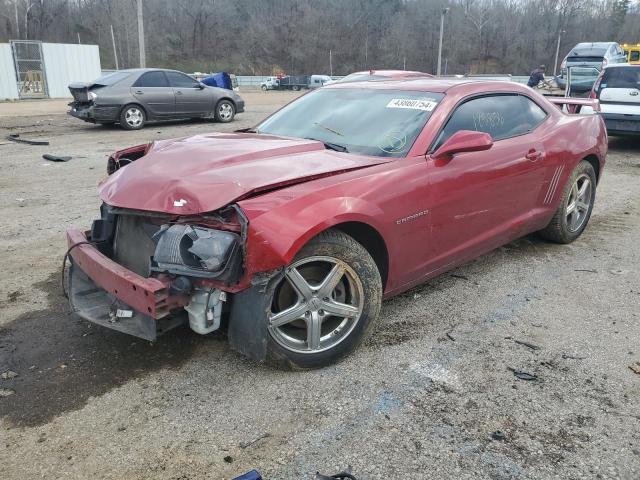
431, 395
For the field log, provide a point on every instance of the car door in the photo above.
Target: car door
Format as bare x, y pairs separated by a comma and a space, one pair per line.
152, 90
192, 98
483, 199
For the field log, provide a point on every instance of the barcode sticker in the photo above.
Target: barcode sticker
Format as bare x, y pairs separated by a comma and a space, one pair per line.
424, 104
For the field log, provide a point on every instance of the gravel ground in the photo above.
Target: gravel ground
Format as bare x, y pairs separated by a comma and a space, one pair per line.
431, 395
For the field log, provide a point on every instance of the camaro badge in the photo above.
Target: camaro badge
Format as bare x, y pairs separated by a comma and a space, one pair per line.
400, 221
179, 203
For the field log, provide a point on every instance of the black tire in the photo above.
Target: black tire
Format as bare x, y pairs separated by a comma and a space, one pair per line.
131, 112
559, 229
225, 111
296, 88
264, 88
359, 264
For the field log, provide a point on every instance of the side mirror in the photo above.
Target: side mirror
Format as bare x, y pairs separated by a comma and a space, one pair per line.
463, 141
201, 86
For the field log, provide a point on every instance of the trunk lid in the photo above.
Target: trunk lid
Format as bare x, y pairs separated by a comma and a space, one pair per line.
203, 173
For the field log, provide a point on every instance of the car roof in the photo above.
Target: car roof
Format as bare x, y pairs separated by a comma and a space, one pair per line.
582, 45
425, 84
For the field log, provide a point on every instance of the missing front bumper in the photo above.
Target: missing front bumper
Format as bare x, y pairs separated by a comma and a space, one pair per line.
96, 305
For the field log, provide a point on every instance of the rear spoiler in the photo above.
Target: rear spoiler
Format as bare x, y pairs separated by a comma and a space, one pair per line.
575, 104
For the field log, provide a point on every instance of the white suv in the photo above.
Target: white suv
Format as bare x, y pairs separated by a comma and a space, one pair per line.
618, 89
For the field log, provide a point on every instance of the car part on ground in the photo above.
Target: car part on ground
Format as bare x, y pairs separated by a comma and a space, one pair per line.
291, 242
134, 97
15, 137
56, 158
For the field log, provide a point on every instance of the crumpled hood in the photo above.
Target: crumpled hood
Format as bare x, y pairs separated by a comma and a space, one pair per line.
206, 172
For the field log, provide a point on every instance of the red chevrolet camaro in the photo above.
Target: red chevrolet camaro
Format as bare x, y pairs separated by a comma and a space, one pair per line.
290, 234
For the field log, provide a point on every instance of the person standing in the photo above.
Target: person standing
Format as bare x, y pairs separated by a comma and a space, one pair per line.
537, 76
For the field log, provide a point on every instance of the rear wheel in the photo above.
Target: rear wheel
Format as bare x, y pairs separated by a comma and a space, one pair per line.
296, 88
575, 208
132, 117
326, 303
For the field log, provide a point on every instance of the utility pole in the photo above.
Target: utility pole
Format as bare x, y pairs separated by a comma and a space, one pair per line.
330, 64
79, 42
555, 66
143, 62
15, 6
115, 52
404, 63
444, 12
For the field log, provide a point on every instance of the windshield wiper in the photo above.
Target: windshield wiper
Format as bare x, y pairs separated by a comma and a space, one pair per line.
328, 129
331, 146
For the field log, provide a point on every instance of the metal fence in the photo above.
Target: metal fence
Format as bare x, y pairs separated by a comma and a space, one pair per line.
31, 78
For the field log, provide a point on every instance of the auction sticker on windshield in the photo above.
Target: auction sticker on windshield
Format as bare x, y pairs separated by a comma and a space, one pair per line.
425, 104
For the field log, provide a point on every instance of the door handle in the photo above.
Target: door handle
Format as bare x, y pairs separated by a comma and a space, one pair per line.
533, 155
139, 92
178, 92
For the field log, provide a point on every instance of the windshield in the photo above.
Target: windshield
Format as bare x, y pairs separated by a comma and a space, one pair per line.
381, 123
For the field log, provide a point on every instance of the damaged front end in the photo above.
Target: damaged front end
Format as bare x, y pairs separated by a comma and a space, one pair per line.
144, 273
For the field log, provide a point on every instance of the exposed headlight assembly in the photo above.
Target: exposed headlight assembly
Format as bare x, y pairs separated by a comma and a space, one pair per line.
197, 252
92, 96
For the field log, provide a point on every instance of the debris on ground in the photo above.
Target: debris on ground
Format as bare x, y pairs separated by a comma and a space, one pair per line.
15, 137
522, 375
252, 475
9, 374
585, 270
5, 392
254, 440
527, 344
499, 436
635, 368
56, 158
340, 476
566, 356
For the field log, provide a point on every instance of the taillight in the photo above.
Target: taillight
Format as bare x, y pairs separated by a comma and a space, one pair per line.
605, 62
563, 65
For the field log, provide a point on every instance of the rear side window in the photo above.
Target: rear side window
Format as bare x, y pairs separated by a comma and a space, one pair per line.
180, 80
621, 77
501, 116
152, 79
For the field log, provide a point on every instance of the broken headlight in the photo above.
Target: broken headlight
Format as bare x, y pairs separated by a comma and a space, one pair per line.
197, 251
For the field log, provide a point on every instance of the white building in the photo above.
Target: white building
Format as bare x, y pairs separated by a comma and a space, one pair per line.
30, 69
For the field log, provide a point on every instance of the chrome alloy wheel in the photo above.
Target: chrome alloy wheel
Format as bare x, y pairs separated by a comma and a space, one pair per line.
316, 306
579, 202
134, 117
225, 111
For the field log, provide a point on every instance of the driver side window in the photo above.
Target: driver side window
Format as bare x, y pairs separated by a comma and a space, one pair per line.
501, 116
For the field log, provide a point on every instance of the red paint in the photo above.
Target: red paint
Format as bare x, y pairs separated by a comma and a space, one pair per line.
147, 295
432, 214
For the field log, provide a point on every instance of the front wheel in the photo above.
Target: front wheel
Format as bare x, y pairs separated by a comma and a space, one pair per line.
326, 303
225, 111
574, 211
264, 88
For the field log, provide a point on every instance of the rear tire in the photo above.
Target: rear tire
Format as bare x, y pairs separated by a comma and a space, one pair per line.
332, 284
132, 117
576, 205
296, 88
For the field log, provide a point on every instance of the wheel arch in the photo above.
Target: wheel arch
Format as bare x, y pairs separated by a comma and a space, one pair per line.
137, 104
372, 241
595, 163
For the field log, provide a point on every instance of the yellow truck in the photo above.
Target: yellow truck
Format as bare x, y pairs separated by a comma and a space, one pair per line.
632, 52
